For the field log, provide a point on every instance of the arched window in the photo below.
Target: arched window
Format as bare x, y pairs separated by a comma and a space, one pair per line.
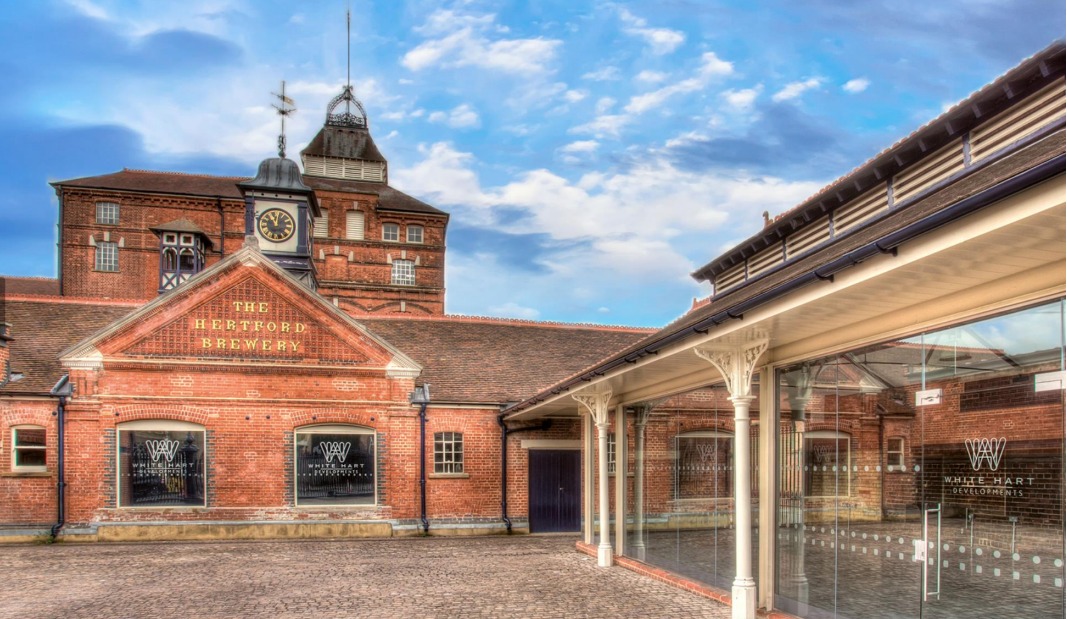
335, 465
170, 260
160, 463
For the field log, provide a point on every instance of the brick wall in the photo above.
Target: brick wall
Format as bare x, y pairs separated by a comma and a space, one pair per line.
27, 499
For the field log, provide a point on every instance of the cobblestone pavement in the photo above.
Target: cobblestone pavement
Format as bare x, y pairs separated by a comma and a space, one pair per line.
527, 576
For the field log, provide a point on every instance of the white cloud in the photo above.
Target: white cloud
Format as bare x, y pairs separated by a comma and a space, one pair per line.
512, 309
89, 9
742, 99
603, 74
605, 125
604, 104
574, 96
651, 77
856, 85
711, 66
795, 89
458, 117
582, 146
297, 19
660, 40
471, 41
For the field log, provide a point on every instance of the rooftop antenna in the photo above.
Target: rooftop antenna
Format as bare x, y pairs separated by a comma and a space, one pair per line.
286, 108
348, 76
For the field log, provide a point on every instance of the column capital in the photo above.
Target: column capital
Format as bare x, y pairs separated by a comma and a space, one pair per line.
596, 404
736, 363
643, 410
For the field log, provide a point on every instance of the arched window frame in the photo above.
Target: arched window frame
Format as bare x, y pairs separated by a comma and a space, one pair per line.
307, 460
167, 478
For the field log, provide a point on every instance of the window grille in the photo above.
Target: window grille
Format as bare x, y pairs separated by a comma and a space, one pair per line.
354, 225
390, 232
404, 272
448, 452
611, 453
107, 213
107, 256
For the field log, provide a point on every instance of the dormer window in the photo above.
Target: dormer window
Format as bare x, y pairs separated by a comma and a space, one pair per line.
391, 232
107, 213
182, 253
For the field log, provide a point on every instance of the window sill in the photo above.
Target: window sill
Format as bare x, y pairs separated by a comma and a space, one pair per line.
103, 271
449, 475
30, 473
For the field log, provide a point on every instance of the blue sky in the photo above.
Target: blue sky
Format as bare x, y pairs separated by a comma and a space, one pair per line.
592, 154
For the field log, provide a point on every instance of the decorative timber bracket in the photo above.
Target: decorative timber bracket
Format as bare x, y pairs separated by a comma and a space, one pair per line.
736, 363
596, 404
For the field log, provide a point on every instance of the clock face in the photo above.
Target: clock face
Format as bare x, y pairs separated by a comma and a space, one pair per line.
276, 225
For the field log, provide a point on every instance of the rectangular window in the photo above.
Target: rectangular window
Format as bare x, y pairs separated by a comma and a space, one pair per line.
161, 468
414, 234
611, 453
894, 454
448, 452
322, 225
703, 465
826, 464
354, 225
390, 232
107, 213
404, 272
107, 256
28, 451
335, 466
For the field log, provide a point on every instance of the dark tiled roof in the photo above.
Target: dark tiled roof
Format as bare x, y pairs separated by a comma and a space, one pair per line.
47, 286
161, 182
42, 329
469, 360
388, 198
344, 143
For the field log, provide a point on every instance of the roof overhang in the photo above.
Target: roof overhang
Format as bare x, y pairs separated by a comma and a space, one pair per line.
1009, 254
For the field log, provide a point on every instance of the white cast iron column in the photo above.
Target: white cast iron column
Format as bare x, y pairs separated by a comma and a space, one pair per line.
597, 405
736, 364
641, 413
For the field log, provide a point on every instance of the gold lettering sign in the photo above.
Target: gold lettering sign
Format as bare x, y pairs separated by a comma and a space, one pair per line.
256, 335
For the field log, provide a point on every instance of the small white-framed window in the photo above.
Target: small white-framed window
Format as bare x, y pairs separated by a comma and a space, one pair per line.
107, 213
894, 454
827, 463
391, 232
107, 256
414, 234
321, 227
403, 272
354, 225
170, 238
161, 463
187, 239
611, 453
29, 449
448, 452
334, 465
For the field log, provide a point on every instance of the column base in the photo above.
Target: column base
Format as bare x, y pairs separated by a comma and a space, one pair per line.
744, 600
603, 555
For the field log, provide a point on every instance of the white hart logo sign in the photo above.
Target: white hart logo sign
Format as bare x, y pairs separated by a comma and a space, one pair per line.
162, 448
335, 449
988, 450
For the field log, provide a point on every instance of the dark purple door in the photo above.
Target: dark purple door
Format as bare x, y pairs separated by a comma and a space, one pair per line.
555, 490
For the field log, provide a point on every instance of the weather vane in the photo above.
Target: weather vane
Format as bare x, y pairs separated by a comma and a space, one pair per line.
286, 108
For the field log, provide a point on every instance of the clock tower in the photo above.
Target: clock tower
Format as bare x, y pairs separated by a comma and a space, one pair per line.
279, 209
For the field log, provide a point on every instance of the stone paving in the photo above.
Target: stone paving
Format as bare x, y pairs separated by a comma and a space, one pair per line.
529, 576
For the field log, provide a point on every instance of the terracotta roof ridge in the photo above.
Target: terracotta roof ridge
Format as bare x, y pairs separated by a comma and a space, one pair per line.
193, 174
512, 321
51, 298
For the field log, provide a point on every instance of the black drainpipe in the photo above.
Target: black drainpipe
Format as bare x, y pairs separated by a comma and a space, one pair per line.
222, 227
504, 432
63, 389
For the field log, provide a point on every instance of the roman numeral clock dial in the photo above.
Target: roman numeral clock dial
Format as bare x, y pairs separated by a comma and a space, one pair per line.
276, 225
